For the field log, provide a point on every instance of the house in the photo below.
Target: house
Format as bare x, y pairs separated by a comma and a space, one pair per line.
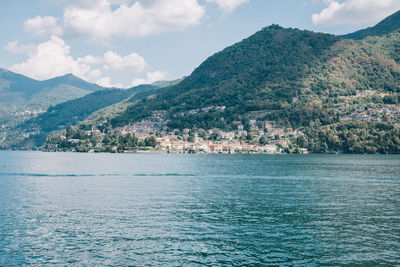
230, 135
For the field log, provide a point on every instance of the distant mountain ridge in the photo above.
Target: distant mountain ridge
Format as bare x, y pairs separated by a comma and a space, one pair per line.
15, 82
70, 79
19, 93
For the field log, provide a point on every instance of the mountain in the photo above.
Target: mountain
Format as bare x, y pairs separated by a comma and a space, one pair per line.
19, 93
254, 74
343, 88
273, 69
388, 25
72, 80
76, 110
96, 106
342, 93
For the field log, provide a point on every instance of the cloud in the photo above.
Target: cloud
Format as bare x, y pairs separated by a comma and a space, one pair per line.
106, 82
91, 60
15, 48
104, 19
100, 19
42, 26
52, 58
86, 3
112, 61
228, 5
355, 13
151, 77
132, 62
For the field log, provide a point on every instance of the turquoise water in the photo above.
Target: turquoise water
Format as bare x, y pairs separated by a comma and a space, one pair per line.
162, 210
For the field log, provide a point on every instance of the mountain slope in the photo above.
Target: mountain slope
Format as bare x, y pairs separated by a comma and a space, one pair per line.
98, 105
19, 93
70, 79
13, 82
276, 68
73, 111
254, 74
386, 26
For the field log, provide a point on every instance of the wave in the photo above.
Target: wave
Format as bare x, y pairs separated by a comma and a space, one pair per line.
97, 175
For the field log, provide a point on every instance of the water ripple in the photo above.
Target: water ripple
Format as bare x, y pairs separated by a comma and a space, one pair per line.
182, 210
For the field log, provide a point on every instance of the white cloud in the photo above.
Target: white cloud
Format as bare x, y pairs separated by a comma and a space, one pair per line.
15, 48
52, 58
86, 3
106, 82
132, 62
91, 60
112, 61
228, 5
100, 20
42, 26
356, 13
151, 77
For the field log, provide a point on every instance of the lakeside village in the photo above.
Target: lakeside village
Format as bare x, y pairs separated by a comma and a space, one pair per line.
153, 136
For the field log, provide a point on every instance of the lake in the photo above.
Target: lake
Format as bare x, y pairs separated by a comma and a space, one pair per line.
131, 209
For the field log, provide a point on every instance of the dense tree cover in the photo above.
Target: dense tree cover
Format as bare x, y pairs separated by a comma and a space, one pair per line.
303, 115
76, 110
251, 75
77, 140
73, 111
355, 137
275, 68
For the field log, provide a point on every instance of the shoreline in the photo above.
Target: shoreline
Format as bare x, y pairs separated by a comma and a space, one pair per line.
157, 152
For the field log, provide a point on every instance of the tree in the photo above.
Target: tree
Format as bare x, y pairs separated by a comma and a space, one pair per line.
249, 137
302, 141
70, 132
262, 141
151, 141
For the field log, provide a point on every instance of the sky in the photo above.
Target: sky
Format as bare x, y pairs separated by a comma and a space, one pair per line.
123, 43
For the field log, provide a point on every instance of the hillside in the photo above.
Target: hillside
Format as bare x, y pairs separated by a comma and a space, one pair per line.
255, 74
274, 68
326, 92
299, 79
19, 93
95, 106
73, 111
386, 26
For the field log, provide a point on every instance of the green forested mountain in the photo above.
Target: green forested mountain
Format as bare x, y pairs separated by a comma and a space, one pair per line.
72, 112
76, 110
275, 68
296, 78
19, 93
342, 92
255, 74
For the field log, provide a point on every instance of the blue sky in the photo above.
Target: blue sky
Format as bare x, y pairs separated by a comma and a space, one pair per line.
127, 42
